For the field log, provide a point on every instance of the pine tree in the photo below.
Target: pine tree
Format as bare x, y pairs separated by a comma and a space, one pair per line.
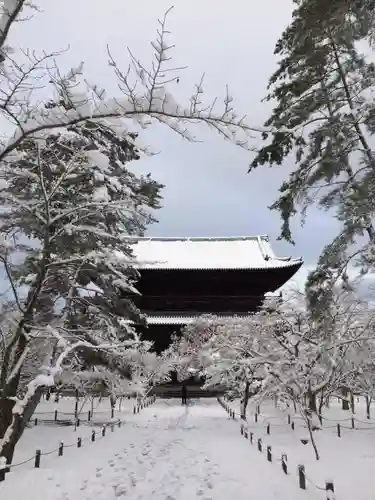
325, 116
70, 202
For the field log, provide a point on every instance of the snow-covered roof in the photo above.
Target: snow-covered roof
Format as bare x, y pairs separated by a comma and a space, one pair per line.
243, 252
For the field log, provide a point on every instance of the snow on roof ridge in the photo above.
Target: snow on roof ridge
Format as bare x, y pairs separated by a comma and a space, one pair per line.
198, 238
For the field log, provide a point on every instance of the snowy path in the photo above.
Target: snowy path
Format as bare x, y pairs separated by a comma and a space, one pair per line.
165, 453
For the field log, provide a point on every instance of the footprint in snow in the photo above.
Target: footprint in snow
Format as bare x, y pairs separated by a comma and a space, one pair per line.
120, 490
208, 483
84, 485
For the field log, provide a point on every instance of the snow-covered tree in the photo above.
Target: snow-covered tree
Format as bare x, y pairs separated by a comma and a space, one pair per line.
284, 352
145, 92
222, 351
68, 204
324, 117
363, 380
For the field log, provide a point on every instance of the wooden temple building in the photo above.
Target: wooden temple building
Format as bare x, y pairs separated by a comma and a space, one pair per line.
183, 278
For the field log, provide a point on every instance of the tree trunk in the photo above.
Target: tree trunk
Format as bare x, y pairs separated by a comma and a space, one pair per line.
345, 398
311, 433
321, 404
352, 404
14, 425
294, 406
368, 405
311, 400
245, 401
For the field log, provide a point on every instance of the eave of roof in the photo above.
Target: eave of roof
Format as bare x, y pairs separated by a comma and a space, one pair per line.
189, 319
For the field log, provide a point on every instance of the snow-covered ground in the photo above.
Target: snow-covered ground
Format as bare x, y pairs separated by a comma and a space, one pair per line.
47, 437
166, 452
348, 460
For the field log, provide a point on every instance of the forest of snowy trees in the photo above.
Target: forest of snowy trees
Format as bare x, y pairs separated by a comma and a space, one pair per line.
70, 200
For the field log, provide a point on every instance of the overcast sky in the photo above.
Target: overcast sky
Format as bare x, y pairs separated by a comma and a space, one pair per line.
208, 191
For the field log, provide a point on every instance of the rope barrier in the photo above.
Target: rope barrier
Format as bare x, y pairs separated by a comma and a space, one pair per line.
267, 418
144, 403
321, 488
328, 488
20, 463
59, 450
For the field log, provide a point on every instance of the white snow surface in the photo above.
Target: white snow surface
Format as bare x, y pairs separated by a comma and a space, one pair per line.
167, 452
348, 461
247, 252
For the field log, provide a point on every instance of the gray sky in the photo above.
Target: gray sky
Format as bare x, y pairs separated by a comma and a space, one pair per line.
208, 192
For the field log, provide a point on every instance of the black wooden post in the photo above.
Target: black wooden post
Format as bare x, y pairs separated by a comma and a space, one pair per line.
55, 415
330, 490
79, 443
112, 412
36, 421
338, 430
256, 417
93, 436
38, 454
302, 477
76, 409
259, 444
61, 449
242, 429
78, 422
89, 415
103, 431
269, 453
292, 426
284, 465
353, 424
268, 429
134, 410
119, 423
288, 419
